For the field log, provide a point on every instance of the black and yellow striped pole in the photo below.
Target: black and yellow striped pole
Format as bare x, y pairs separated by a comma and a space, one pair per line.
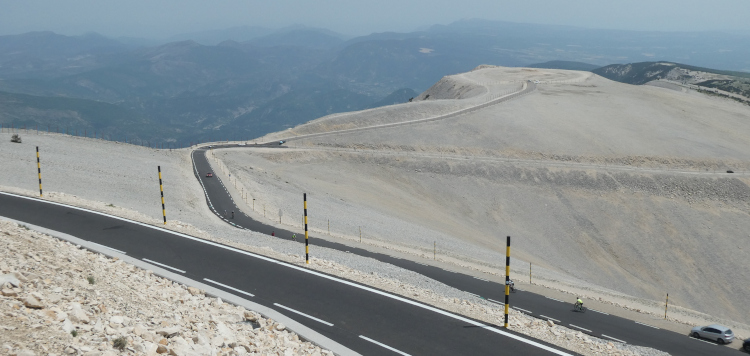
507, 280
39, 170
161, 188
307, 246
666, 305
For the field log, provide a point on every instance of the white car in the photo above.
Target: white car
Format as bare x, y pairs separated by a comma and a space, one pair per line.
721, 334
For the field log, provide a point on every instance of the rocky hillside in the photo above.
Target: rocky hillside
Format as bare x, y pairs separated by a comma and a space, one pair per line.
60, 299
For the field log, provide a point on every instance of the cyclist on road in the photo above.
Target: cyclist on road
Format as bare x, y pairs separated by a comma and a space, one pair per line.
579, 302
294, 237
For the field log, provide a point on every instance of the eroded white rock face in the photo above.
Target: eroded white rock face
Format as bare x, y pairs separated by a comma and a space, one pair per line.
48, 298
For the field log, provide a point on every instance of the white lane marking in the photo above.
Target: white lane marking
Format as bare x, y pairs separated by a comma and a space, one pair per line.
113, 249
556, 300
544, 316
228, 287
495, 301
578, 327
708, 342
476, 295
163, 265
522, 310
650, 326
596, 311
481, 279
305, 270
303, 314
609, 337
384, 345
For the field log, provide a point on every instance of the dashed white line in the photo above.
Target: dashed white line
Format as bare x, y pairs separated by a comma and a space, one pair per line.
544, 316
522, 309
228, 287
163, 265
708, 342
481, 279
495, 301
596, 311
578, 327
116, 250
609, 337
303, 314
476, 295
384, 345
650, 326
556, 300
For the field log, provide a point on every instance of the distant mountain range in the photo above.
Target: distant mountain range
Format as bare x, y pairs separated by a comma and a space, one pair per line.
248, 81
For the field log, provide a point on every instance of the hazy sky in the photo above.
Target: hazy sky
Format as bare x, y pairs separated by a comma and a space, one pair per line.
164, 18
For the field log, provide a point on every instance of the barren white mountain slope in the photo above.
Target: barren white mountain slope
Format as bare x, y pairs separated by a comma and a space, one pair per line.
620, 186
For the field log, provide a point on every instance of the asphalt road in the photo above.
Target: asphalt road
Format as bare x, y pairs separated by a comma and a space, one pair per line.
592, 322
361, 318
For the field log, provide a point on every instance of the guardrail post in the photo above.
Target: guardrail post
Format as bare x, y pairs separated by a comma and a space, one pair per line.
39, 170
507, 280
161, 189
307, 248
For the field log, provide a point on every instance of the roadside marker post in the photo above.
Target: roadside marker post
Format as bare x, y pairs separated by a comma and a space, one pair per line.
39, 170
529, 272
434, 250
360, 234
666, 305
307, 240
507, 280
161, 189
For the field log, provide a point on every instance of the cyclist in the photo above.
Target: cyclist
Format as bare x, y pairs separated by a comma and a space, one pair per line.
512, 285
579, 303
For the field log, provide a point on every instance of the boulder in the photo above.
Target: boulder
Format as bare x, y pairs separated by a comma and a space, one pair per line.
250, 316
194, 291
8, 292
32, 302
550, 323
161, 349
77, 315
67, 326
10, 278
168, 332
25, 352
115, 321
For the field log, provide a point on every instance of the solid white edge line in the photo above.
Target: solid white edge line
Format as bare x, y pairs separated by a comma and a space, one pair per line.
555, 299
107, 247
701, 340
596, 311
609, 337
522, 310
228, 287
476, 295
544, 316
303, 314
650, 326
384, 345
303, 269
162, 265
495, 301
578, 327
